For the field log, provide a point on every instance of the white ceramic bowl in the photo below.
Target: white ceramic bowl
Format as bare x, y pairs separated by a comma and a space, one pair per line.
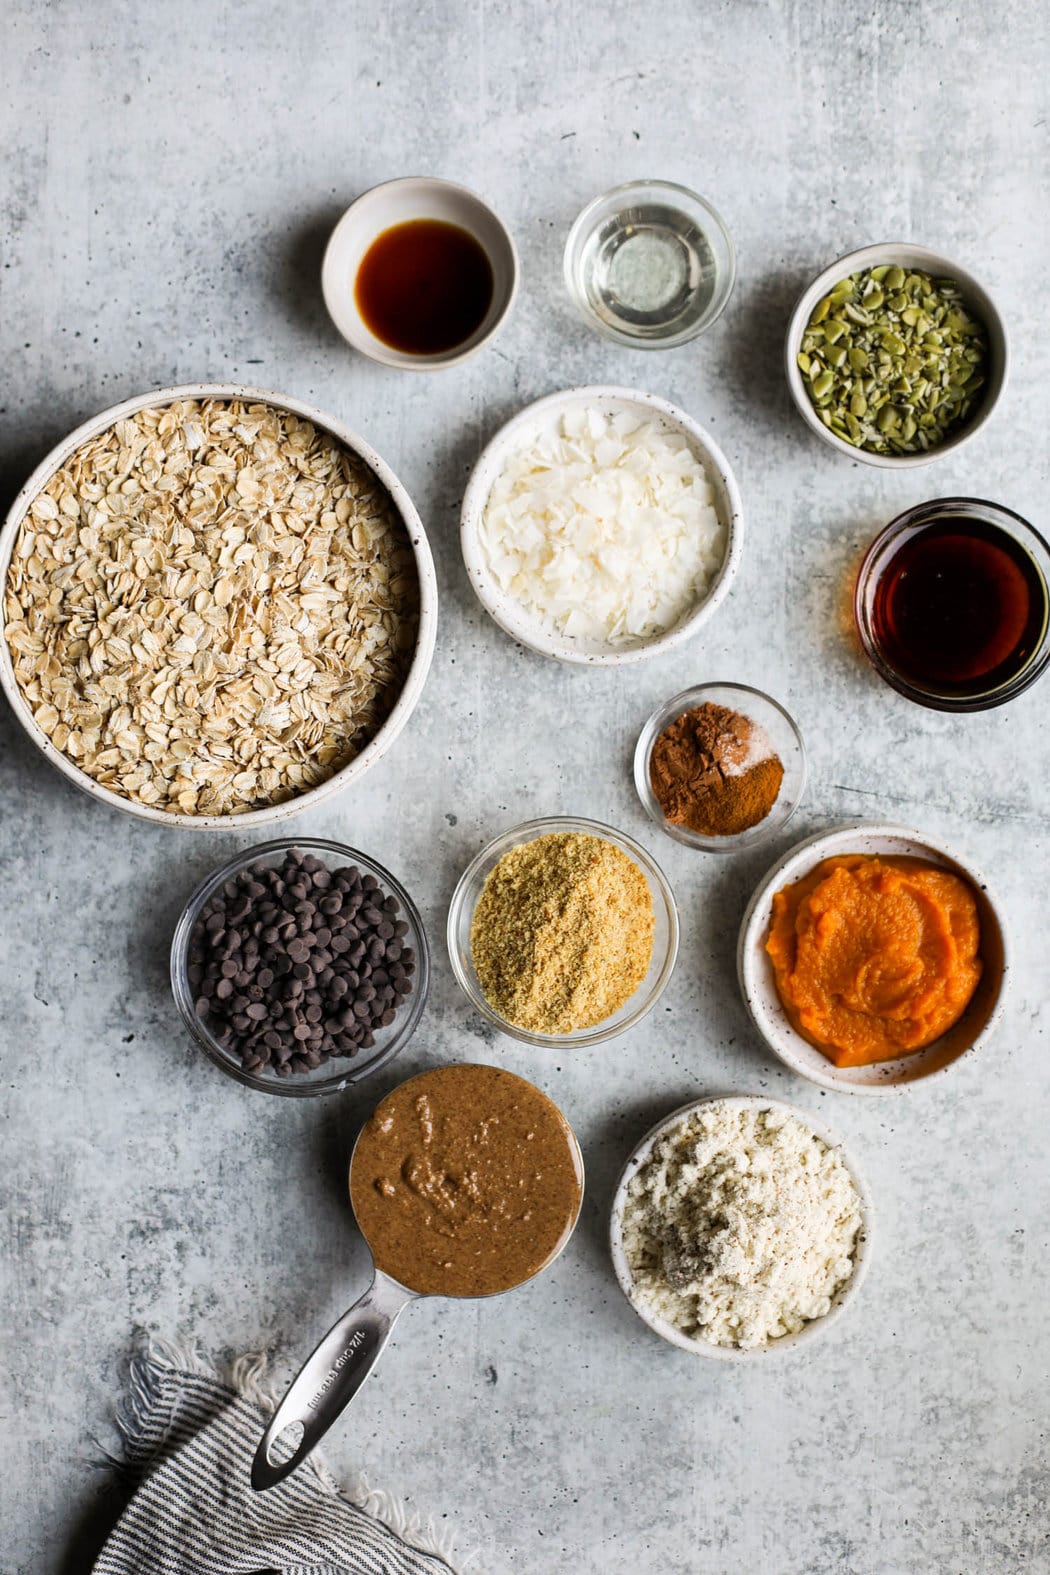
905, 256
417, 673
843, 1298
758, 983
521, 431
398, 202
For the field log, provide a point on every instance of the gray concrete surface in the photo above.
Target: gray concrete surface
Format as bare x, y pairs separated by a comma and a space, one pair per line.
171, 173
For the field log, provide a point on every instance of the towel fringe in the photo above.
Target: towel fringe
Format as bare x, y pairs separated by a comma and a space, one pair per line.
141, 1435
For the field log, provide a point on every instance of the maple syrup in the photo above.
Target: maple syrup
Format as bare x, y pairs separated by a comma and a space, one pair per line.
424, 287
959, 608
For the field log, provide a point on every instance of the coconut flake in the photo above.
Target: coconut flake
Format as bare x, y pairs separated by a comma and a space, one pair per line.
604, 529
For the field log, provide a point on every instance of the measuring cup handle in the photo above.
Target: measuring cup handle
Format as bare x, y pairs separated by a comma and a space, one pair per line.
330, 1378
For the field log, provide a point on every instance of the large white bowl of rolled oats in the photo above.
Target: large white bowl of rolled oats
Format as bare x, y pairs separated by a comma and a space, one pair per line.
218, 603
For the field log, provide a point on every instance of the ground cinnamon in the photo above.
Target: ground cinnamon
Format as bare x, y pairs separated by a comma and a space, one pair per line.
714, 771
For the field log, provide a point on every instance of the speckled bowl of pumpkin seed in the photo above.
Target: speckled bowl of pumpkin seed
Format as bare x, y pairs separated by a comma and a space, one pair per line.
896, 355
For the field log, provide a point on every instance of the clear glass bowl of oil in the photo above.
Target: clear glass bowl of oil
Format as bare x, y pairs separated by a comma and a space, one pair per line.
649, 264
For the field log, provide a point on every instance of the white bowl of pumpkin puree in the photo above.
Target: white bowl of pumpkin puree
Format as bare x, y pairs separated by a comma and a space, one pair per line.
871, 958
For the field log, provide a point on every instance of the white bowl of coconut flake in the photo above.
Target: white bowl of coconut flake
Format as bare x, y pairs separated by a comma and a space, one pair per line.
601, 526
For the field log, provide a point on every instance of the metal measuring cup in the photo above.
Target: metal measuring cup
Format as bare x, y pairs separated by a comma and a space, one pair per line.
331, 1376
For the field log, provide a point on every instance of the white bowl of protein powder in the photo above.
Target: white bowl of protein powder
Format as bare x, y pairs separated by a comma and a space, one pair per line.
740, 1228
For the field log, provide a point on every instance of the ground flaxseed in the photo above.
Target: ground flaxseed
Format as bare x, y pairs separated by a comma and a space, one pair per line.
562, 934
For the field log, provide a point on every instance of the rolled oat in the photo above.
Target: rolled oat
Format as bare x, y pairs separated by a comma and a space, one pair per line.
211, 607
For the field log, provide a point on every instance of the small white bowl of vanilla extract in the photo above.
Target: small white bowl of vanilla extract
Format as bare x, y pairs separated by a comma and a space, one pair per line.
419, 273
952, 606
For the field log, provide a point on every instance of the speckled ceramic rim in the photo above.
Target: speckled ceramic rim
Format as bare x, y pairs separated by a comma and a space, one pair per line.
907, 256
397, 202
784, 736
350, 1069
428, 607
518, 432
758, 984
880, 555
703, 214
843, 1298
461, 914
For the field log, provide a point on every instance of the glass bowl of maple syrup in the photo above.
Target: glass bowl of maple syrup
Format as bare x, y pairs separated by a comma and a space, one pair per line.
952, 604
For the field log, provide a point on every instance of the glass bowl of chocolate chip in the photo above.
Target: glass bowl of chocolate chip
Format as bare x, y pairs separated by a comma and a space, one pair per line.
721, 767
300, 966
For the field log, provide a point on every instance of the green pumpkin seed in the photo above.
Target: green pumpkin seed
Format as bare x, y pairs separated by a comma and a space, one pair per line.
893, 361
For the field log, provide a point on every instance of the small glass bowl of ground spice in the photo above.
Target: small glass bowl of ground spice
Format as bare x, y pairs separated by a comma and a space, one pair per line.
563, 932
720, 767
300, 966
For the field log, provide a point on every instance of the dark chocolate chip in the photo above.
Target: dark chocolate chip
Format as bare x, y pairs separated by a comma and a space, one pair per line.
294, 964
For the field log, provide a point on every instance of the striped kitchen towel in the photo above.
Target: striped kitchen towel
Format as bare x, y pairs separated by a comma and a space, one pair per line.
188, 1442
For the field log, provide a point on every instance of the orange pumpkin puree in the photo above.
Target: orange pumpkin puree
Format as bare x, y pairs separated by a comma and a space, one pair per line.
874, 957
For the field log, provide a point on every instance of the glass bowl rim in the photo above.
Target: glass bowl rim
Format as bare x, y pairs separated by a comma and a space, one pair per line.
580, 226
654, 725
935, 508
288, 1087
529, 831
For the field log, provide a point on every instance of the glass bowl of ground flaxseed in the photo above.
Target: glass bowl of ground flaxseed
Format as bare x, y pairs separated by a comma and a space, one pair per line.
563, 932
720, 767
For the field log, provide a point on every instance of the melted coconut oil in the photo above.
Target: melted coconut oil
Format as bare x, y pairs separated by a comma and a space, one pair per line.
649, 271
